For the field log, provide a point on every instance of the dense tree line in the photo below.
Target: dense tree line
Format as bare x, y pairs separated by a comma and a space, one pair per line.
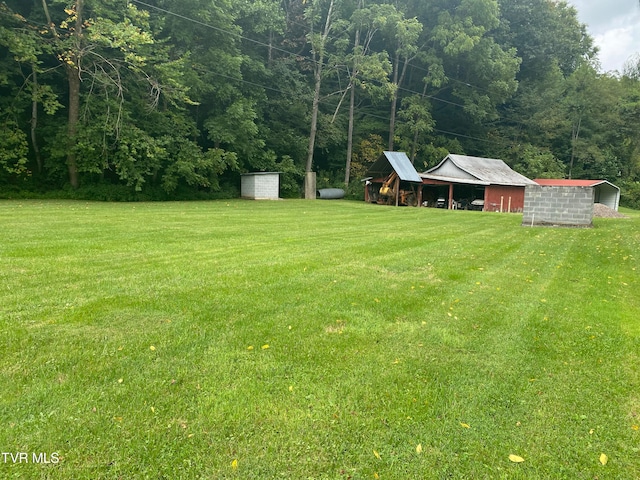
171, 99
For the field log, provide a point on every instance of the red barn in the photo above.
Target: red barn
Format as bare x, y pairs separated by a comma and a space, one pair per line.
460, 181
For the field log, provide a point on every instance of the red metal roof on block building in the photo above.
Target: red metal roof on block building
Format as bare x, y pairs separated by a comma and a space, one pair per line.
562, 182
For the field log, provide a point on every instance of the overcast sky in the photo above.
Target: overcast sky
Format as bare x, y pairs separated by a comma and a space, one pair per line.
615, 27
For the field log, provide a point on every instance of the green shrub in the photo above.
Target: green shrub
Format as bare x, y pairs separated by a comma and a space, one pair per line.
630, 194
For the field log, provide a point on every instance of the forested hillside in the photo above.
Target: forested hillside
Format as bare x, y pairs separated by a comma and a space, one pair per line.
160, 99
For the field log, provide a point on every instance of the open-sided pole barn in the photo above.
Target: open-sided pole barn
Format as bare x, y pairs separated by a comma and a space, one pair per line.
461, 181
393, 180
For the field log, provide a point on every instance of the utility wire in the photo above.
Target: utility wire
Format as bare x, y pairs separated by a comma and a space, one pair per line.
287, 52
454, 134
222, 30
242, 80
364, 114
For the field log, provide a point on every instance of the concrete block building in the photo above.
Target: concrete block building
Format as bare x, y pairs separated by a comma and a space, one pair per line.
260, 185
558, 205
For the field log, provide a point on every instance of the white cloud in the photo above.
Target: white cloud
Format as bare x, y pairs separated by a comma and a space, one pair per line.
597, 13
616, 46
615, 27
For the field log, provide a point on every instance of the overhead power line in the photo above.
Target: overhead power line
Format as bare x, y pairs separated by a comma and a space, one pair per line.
289, 53
222, 30
281, 50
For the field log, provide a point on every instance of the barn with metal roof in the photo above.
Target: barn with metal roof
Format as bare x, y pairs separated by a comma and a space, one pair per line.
392, 180
462, 181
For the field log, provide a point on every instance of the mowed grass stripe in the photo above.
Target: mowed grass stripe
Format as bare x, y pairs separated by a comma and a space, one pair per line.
300, 337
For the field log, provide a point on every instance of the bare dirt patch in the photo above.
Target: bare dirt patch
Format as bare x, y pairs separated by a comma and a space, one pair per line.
602, 211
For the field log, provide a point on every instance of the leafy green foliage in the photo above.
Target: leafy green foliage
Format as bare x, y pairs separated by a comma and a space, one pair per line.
195, 167
630, 194
366, 153
124, 36
173, 96
13, 150
536, 163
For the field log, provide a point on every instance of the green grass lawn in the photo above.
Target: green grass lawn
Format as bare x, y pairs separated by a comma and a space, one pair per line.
315, 340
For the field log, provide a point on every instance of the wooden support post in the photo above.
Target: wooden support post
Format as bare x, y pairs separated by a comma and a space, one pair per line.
450, 196
397, 188
310, 186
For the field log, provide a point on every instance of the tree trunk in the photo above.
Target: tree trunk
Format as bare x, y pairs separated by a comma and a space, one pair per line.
352, 101
414, 148
394, 103
397, 81
73, 76
314, 116
575, 134
318, 59
414, 145
347, 169
34, 119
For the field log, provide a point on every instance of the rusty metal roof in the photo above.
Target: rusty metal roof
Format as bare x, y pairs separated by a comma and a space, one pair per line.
561, 182
398, 161
465, 169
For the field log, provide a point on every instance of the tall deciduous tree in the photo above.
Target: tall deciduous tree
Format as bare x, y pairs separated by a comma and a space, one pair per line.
19, 68
368, 71
172, 96
84, 42
486, 70
404, 34
323, 12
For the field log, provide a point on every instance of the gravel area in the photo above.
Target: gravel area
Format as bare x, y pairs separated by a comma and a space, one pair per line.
600, 210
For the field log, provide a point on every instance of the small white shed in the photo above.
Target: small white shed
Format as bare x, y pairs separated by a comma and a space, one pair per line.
260, 185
